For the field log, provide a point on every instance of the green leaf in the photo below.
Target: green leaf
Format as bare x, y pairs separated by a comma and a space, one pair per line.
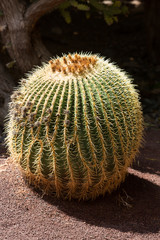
10, 64
88, 15
115, 18
117, 4
112, 10
64, 5
108, 20
124, 10
66, 15
79, 6
6, 47
97, 5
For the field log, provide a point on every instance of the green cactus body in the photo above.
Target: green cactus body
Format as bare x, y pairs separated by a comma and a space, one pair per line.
74, 126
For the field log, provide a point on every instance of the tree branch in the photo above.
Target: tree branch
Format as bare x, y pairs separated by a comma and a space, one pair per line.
6, 87
38, 9
13, 11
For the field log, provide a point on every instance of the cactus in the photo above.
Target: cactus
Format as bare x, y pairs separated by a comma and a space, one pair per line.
74, 126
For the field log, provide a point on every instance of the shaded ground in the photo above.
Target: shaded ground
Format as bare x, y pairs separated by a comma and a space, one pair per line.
132, 212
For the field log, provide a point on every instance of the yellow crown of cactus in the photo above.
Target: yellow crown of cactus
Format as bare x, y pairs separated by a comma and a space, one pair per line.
74, 126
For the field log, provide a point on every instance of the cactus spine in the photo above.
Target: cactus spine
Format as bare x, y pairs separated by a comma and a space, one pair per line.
74, 126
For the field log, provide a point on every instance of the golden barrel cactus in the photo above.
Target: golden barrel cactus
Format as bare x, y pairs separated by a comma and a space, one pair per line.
74, 126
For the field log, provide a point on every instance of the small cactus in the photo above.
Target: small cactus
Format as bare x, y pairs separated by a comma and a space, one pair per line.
74, 126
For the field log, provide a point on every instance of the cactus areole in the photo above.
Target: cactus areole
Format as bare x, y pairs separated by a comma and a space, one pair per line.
74, 126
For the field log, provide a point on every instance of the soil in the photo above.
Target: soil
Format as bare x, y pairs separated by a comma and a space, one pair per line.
131, 212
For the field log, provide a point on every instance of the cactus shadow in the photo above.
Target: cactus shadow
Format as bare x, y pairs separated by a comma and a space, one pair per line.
134, 207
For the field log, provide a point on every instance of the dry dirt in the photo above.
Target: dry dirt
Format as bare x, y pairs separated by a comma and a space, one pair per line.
132, 212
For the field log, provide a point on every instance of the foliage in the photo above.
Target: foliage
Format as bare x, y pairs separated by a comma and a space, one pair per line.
109, 9
74, 126
109, 12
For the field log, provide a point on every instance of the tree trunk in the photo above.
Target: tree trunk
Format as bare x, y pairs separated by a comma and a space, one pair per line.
18, 31
6, 87
152, 10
